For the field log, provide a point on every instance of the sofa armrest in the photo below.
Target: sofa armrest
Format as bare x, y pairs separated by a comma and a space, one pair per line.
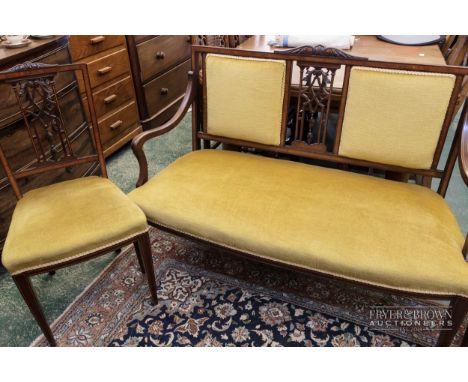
463, 157
463, 154
140, 139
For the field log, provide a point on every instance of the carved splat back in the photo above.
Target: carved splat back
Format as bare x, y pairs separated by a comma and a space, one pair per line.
37, 100
314, 98
313, 105
33, 85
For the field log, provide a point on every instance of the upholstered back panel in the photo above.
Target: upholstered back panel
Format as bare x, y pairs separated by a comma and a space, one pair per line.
245, 98
394, 117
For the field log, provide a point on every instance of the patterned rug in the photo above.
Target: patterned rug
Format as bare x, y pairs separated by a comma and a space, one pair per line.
209, 297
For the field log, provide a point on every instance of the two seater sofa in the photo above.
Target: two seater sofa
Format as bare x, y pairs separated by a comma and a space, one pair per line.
370, 230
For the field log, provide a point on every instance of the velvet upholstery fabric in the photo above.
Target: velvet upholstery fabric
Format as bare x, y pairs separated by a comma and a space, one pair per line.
378, 231
394, 117
245, 98
67, 220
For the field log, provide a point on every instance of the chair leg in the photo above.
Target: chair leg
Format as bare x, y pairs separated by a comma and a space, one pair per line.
140, 260
144, 248
465, 339
23, 284
459, 307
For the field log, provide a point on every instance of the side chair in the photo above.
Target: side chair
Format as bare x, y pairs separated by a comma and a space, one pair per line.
70, 221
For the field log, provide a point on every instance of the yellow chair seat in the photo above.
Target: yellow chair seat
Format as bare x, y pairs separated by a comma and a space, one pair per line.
359, 227
68, 220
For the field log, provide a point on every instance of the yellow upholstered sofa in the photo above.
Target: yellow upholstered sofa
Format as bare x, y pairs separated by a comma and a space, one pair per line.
392, 118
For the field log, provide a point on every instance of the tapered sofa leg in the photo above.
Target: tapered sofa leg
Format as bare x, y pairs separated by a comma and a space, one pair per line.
459, 307
23, 284
144, 248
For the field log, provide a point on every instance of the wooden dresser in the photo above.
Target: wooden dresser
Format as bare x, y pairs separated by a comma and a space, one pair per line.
159, 65
14, 137
112, 84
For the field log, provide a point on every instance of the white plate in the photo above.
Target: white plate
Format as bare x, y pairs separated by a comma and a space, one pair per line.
42, 36
20, 44
411, 40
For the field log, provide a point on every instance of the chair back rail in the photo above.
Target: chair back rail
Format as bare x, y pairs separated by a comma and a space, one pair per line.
455, 51
446, 46
34, 87
317, 68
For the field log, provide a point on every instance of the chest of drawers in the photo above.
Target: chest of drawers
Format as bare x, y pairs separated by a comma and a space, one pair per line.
112, 85
159, 65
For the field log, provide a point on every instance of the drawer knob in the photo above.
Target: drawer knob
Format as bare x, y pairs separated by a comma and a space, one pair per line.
164, 91
104, 70
116, 125
110, 99
97, 40
160, 55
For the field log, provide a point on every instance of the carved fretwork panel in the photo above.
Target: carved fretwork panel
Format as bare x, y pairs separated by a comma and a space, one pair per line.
313, 105
38, 102
211, 40
315, 95
320, 51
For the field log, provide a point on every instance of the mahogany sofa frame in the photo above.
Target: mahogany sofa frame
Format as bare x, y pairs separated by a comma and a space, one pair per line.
319, 57
44, 75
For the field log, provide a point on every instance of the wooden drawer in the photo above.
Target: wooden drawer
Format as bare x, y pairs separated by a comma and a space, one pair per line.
165, 89
113, 96
160, 53
142, 38
84, 46
117, 123
108, 67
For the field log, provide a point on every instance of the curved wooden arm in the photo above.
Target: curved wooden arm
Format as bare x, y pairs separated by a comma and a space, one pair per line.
463, 156
463, 153
140, 139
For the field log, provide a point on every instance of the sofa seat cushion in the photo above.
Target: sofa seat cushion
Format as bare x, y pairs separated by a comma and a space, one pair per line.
355, 226
68, 220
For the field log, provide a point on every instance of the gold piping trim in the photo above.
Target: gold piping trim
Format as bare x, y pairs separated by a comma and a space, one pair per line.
78, 255
309, 268
395, 71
